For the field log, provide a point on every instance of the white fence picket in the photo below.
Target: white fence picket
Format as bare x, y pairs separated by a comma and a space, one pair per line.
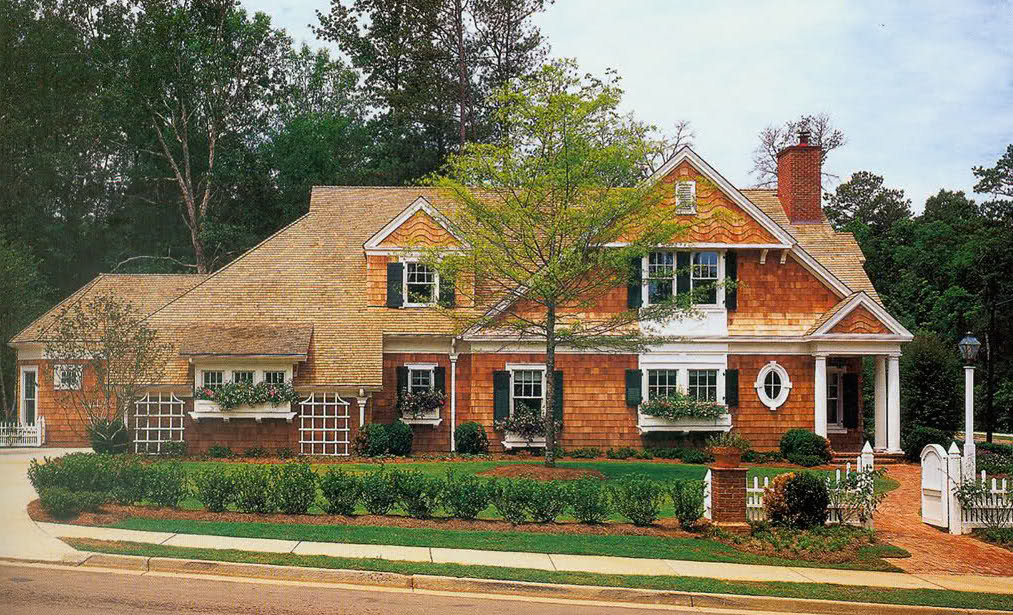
17, 434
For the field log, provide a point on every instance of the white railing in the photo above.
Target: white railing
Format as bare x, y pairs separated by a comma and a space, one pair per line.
16, 434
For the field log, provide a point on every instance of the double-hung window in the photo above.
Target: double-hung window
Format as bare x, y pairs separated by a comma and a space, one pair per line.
420, 285
528, 389
705, 276
420, 379
834, 415
660, 276
274, 377
662, 383
669, 273
212, 378
703, 384
67, 377
244, 376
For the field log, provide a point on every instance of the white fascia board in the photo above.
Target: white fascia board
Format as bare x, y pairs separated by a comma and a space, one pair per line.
419, 204
719, 246
863, 299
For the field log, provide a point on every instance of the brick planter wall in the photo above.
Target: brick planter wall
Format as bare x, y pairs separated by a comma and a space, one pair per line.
728, 497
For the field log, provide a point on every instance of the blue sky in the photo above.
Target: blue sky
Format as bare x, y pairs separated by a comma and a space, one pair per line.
923, 90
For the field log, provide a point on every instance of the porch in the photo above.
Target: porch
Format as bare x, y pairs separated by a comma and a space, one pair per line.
837, 407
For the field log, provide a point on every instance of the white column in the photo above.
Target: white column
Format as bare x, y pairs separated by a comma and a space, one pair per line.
453, 401
362, 408
970, 462
881, 420
893, 403
820, 396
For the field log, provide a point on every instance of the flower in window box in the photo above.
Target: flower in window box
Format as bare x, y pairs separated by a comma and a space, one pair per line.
419, 404
680, 405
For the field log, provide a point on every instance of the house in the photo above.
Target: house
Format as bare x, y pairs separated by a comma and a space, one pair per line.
335, 305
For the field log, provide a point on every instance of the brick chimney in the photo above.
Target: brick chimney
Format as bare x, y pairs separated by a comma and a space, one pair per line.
798, 181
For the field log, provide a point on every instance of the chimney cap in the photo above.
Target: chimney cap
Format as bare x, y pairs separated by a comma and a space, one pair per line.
803, 136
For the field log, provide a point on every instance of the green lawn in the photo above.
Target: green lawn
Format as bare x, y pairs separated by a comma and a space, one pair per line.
919, 597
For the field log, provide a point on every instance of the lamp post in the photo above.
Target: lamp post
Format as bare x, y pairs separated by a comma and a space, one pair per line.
969, 351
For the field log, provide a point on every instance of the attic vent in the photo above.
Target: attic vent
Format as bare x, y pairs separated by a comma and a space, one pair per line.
685, 197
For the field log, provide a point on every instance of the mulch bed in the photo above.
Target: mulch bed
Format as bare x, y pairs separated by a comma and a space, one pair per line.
114, 513
540, 472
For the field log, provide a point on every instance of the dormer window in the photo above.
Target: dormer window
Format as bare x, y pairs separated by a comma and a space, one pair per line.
685, 197
420, 285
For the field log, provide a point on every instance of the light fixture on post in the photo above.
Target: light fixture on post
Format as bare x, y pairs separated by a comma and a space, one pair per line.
969, 352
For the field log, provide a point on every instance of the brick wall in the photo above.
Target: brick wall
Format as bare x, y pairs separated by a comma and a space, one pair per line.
728, 495
798, 183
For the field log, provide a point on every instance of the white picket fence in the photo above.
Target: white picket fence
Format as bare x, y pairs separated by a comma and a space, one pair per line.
942, 476
16, 434
755, 510
1000, 494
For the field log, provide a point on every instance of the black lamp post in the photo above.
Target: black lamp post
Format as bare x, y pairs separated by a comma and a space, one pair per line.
969, 347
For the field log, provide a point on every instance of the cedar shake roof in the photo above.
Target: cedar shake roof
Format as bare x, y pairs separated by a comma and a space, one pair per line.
248, 342
146, 292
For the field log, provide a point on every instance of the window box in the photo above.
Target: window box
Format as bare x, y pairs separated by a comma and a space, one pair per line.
512, 440
207, 409
421, 393
647, 423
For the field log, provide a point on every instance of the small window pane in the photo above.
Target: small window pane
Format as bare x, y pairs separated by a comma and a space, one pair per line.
245, 377
772, 384
420, 380
703, 384
421, 283
662, 382
528, 390
213, 378
660, 273
705, 276
274, 377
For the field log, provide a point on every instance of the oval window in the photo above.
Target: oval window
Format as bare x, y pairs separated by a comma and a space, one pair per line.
772, 385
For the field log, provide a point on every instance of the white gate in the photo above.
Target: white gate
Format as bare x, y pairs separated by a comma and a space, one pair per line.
157, 419
323, 425
935, 499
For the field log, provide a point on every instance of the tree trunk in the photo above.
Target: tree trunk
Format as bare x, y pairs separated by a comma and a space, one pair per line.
459, 31
550, 390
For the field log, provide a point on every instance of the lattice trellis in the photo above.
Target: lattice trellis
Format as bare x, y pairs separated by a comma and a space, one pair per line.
157, 419
323, 425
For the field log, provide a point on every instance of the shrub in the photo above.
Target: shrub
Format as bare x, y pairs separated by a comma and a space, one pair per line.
255, 452
510, 497
752, 456
253, 489
110, 437
728, 439
62, 503
693, 455
643, 454
803, 445
166, 482
590, 500
688, 501
285, 453
774, 501
918, 437
175, 448
418, 493
806, 461
214, 487
131, 485
76, 472
465, 496
547, 500
667, 453
805, 502
638, 498
379, 492
932, 386
470, 439
994, 510
620, 453
341, 490
371, 441
994, 463
295, 487
399, 438
217, 451
589, 452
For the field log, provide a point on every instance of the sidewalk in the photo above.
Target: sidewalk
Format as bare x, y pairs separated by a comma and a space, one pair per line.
542, 561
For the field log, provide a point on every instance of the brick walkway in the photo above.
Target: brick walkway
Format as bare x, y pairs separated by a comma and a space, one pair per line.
933, 550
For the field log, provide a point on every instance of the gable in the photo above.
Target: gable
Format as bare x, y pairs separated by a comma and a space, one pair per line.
860, 320
420, 229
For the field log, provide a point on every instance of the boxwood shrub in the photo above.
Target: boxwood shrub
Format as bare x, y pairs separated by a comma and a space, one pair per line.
399, 438
547, 500
471, 439
62, 503
638, 499
464, 497
295, 487
805, 448
918, 437
591, 501
510, 497
341, 490
804, 501
687, 500
379, 492
418, 493
166, 483
254, 491
215, 487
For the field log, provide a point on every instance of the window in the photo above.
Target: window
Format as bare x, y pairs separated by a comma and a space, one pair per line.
29, 394
703, 384
660, 274
212, 378
420, 380
685, 197
834, 415
528, 389
662, 382
420, 284
245, 377
772, 385
274, 377
67, 377
705, 275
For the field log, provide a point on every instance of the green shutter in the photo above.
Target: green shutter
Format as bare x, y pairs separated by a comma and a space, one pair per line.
402, 379
732, 388
500, 396
395, 277
681, 272
850, 401
448, 298
557, 402
634, 386
440, 379
634, 288
731, 273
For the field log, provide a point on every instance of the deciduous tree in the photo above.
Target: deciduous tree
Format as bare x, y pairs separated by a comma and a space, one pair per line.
775, 138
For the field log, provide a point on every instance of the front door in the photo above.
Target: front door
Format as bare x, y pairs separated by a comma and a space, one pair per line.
29, 394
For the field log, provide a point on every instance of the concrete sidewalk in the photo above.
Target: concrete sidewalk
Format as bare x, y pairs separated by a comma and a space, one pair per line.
543, 561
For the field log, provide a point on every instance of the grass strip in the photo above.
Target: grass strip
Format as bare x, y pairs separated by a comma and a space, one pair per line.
692, 549
847, 593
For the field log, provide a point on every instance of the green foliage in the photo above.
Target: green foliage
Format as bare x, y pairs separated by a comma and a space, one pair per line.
418, 493
371, 440
1000, 536
176, 448
166, 483
547, 500
75, 471
854, 496
341, 491
379, 491
399, 438
470, 439
638, 499
688, 500
995, 510
254, 489
295, 487
620, 453
752, 456
465, 496
511, 497
63, 503
131, 483
23, 296
285, 453
805, 448
666, 452
694, 455
680, 405
591, 501
215, 487
931, 384
108, 436
728, 439
256, 452
217, 451
419, 404
588, 452
526, 422
806, 501
235, 394
917, 437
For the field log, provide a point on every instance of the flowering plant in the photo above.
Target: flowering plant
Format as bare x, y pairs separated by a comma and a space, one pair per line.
527, 421
679, 405
419, 404
234, 394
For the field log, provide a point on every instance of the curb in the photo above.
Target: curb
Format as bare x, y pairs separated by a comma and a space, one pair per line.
544, 591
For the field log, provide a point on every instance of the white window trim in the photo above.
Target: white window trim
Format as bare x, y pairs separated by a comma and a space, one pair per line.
21, 392
404, 284
691, 207
436, 419
777, 402
512, 368
265, 372
204, 371
838, 426
253, 372
59, 384
717, 306
683, 377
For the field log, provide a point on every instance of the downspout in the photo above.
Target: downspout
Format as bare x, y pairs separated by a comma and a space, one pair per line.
453, 392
